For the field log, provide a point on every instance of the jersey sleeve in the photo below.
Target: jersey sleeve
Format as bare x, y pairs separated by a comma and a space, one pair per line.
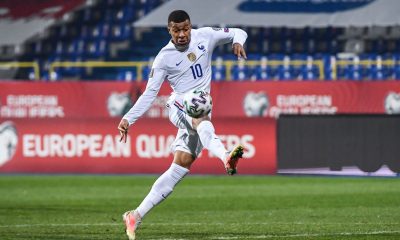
156, 78
220, 36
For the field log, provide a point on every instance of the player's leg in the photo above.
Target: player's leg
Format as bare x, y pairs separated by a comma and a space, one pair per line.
212, 142
205, 133
160, 190
185, 152
208, 138
166, 183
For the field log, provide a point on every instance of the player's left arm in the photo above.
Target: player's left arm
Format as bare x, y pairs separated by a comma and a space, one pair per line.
236, 36
239, 51
239, 38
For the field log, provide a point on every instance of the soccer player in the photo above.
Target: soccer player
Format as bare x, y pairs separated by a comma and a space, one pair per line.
185, 62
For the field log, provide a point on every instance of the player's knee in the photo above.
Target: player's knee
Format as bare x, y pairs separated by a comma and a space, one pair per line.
183, 159
205, 128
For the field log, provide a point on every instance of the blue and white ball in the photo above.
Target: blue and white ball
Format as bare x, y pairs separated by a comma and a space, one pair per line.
197, 103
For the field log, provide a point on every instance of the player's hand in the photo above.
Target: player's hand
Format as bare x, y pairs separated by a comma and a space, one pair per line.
239, 51
123, 130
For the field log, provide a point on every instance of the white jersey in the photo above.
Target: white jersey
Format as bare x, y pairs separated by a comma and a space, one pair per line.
186, 70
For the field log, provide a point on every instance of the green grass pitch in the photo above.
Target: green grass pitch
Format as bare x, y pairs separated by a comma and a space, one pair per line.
202, 207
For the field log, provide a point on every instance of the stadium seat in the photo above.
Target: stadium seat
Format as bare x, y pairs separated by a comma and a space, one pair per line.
240, 72
103, 30
126, 75
218, 70
121, 32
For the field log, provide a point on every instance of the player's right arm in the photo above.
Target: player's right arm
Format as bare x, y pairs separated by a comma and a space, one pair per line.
156, 78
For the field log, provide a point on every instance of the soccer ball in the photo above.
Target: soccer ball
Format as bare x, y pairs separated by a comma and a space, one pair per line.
197, 103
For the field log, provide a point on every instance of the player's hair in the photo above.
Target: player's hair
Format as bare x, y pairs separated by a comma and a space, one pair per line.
178, 16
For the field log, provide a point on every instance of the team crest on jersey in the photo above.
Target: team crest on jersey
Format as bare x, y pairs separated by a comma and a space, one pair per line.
192, 57
226, 29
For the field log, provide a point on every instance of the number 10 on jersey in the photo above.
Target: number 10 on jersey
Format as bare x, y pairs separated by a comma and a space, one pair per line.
197, 71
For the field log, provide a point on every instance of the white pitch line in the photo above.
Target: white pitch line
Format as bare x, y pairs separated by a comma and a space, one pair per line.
61, 225
186, 224
223, 238
310, 235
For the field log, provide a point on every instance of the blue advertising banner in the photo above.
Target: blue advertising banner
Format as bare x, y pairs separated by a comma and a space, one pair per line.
301, 6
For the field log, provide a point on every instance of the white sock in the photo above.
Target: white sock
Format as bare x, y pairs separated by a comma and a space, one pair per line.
211, 141
162, 187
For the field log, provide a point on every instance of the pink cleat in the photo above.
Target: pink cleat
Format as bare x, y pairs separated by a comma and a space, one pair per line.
132, 221
233, 159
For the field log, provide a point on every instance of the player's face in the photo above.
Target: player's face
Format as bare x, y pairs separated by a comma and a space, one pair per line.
180, 32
